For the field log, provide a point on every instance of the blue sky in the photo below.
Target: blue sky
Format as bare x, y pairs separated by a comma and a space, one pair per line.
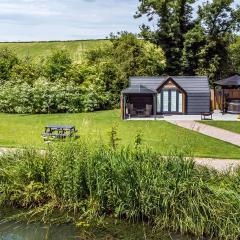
33, 20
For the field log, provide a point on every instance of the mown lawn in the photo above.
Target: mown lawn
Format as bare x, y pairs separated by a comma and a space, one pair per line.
25, 130
233, 126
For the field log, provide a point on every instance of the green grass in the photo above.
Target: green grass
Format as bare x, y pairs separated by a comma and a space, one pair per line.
42, 49
233, 126
25, 130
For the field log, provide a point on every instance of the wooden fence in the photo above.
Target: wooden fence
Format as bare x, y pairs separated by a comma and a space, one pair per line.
217, 97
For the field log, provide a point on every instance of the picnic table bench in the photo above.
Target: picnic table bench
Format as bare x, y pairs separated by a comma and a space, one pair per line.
59, 132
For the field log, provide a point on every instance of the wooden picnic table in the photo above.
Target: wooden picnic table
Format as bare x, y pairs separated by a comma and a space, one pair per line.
59, 132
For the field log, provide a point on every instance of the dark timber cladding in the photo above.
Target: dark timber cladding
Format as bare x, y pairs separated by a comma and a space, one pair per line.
197, 90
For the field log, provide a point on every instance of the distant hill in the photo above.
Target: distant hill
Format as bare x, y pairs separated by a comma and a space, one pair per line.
41, 49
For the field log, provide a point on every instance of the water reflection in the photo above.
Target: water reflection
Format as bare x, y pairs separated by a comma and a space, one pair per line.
37, 231
20, 231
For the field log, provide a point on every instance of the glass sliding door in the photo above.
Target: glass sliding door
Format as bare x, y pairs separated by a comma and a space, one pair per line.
180, 102
170, 101
165, 100
159, 102
173, 101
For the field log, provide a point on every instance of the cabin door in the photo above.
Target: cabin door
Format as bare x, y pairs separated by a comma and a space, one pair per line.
170, 101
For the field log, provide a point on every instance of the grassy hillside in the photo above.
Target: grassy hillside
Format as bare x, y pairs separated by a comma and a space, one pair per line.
40, 49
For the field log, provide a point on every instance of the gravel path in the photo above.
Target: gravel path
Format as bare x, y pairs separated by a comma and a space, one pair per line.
221, 134
218, 164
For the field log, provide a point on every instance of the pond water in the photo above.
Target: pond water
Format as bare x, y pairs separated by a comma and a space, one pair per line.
21, 231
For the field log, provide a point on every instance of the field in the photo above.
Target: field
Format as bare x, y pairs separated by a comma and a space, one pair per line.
25, 130
41, 49
227, 125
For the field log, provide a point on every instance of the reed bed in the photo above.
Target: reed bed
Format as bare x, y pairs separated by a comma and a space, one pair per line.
92, 181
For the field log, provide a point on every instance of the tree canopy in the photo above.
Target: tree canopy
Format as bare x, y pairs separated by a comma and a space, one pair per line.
173, 20
59, 84
193, 43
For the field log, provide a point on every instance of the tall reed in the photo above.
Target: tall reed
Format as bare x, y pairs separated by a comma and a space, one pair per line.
134, 183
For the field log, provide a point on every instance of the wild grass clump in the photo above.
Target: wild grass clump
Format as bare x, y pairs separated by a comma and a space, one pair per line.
92, 180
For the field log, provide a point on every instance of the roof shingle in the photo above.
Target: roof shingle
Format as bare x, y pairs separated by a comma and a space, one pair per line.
138, 89
191, 84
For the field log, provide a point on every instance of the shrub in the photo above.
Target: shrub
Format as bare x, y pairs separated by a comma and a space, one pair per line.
8, 59
41, 97
57, 64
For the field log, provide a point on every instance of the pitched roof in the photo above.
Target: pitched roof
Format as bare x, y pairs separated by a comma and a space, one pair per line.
138, 89
231, 81
191, 84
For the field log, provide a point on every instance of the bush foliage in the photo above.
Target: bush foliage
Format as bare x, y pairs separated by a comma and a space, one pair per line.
41, 97
58, 84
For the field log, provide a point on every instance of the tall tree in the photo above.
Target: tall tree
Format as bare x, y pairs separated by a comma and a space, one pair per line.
220, 21
174, 20
234, 53
194, 41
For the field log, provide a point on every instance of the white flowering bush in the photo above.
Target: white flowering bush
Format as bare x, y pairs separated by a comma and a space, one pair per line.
41, 97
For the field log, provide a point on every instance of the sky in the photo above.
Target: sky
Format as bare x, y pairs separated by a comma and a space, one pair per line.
44, 20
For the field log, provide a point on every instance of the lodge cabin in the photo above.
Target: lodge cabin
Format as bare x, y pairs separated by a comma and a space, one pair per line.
153, 96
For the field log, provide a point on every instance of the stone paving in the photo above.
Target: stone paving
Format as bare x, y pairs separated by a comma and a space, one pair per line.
217, 116
218, 164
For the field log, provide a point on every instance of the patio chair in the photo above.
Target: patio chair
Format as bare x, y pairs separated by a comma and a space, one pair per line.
131, 110
206, 115
148, 110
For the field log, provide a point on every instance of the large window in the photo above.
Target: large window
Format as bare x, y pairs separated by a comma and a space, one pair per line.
170, 101
159, 102
173, 101
180, 102
165, 100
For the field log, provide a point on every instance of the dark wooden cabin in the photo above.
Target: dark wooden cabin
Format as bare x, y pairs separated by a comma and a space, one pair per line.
152, 96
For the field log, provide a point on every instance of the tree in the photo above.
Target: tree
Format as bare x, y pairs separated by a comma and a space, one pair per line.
234, 54
136, 57
174, 20
219, 20
76, 73
57, 64
194, 41
8, 59
26, 71
126, 56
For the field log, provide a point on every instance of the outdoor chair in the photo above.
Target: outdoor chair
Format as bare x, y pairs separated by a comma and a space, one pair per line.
148, 110
206, 115
131, 110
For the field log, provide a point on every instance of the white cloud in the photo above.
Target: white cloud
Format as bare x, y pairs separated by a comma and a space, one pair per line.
28, 20
26, 7
65, 19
